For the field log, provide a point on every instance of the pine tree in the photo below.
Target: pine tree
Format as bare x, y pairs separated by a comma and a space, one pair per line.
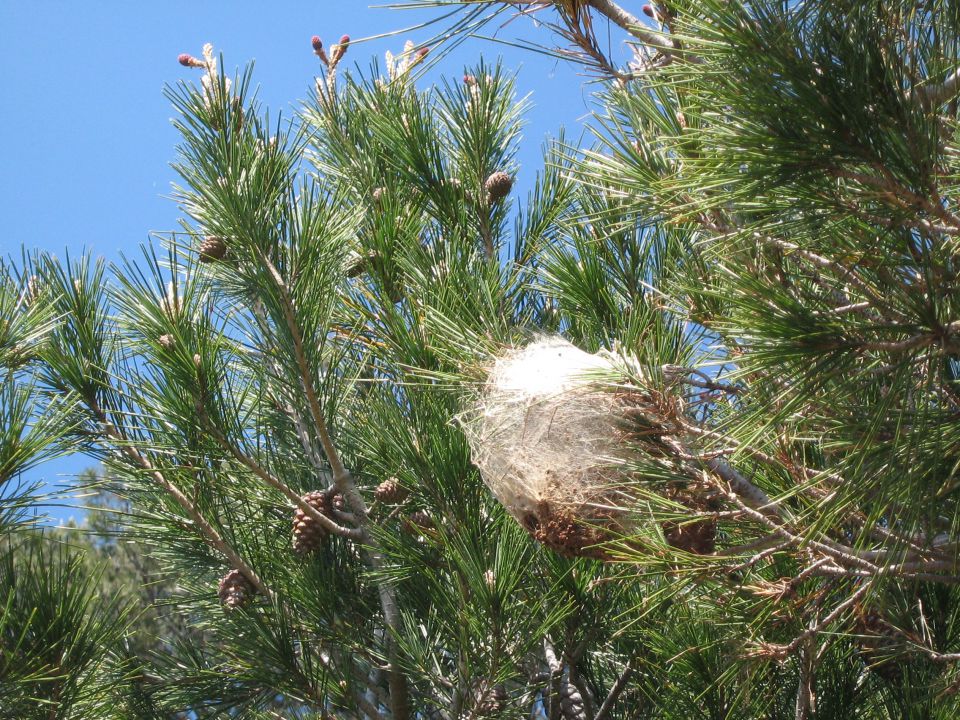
674, 436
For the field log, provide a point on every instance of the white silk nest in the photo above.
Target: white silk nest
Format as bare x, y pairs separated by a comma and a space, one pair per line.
547, 435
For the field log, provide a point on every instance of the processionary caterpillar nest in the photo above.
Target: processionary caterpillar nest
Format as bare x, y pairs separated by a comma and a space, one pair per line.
553, 433
546, 437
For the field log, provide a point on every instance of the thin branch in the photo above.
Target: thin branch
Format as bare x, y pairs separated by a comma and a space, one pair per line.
325, 521
618, 687
783, 651
206, 530
632, 24
933, 95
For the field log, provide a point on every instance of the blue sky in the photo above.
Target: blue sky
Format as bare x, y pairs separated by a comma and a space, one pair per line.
87, 139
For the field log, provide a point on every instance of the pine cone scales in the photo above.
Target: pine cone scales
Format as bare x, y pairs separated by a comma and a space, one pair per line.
308, 533
571, 702
390, 491
492, 702
235, 590
498, 186
212, 248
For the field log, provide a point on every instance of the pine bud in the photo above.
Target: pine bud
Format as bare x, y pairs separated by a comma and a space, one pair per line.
498, 186
469, 80
378, 194
418, 57
33, 290
235, 590
339, 50
188, 60
212, 248
317, 44
390, 491
648, 11
167, 341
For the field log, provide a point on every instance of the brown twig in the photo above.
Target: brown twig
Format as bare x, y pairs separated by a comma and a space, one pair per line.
205, 529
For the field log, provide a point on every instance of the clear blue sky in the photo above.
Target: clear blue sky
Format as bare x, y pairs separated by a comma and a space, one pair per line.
87, 139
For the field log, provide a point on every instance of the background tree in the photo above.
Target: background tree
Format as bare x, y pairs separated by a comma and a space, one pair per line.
757, 253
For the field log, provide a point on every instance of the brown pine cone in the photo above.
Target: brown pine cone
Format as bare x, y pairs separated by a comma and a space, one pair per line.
235, 590
212, 248
308, 533
697, 537
498, 186
419, 521
492, 701
390, 491
879, 647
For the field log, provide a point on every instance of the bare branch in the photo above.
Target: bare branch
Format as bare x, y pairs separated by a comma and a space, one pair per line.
618, 687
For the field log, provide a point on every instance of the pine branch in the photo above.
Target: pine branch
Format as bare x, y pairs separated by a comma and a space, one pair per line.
611, 699
937, 94
343, 480
325, 521
205, 529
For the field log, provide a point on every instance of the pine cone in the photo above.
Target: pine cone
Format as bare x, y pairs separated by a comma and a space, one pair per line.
878, 645
493, 701
498, 186
235, 590
571, 702
212, 248
390, 491
694, 537
308, 533
419, 521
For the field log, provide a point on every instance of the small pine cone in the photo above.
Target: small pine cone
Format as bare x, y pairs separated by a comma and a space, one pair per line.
498, 186
571, 702
166, 341
390, 491
697, 537
188, 60
419, 521
308, 533
212, 248
235, 590
493, 701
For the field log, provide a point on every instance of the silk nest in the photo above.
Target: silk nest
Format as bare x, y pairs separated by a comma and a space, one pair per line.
548, 436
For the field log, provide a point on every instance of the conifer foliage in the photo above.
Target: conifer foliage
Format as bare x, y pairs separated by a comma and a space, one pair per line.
739, 500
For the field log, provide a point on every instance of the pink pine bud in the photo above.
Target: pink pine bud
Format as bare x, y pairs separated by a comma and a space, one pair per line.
317, 44
188, 60
469, 80
648, 11
422, 53
339, 50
